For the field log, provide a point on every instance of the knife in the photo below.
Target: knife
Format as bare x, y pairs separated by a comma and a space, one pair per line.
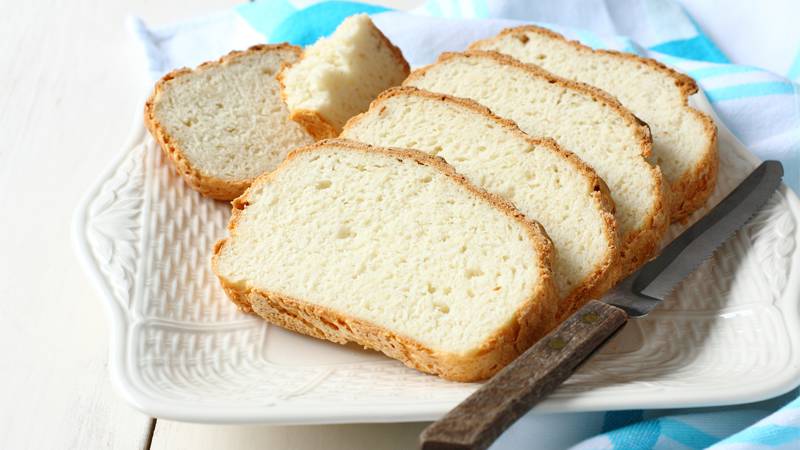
477, 421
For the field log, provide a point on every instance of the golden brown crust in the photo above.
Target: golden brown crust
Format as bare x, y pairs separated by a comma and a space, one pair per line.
315, 122
606, 274
195, 177
692, 190
636, 247
534, 319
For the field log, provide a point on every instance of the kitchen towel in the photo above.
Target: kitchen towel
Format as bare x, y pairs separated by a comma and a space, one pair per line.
760, 107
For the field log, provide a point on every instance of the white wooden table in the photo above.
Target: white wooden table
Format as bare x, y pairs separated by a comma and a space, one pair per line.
70, 87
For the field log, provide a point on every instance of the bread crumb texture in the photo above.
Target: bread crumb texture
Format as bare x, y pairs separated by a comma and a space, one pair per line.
546, 184
393, 242
582, 120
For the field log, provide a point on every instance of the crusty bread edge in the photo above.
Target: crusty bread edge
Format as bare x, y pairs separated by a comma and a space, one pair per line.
195, 177
638, 246
398, 54
693, 188
315, 122
606, 273
534, 319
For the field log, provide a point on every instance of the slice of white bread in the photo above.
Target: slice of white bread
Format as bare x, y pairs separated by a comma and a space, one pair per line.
339, 75
684, 139
393, 250
224, 123
546, 183
581, 119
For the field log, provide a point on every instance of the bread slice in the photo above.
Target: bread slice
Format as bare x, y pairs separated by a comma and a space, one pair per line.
581, 119
546, 183
393, 250
684, 139
224, 123
338, 76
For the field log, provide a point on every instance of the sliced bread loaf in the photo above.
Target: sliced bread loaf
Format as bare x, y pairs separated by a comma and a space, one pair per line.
684, 139
338, 76
581, 119
547, 184
224, 123
393, 250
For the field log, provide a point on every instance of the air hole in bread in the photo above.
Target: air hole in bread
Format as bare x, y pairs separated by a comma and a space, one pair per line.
442, 308
344, 233
473, 272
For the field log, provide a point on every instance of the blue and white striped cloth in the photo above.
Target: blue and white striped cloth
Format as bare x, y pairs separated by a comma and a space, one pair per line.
762, 108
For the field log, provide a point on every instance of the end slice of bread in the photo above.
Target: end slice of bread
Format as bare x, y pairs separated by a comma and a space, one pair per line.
393, 250
339, 75
224, 123
546, 183
684, 139
583, 120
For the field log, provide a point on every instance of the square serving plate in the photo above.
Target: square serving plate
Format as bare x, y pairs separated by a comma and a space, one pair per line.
180, 349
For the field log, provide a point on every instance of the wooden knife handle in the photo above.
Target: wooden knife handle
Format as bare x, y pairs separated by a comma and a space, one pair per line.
477, 421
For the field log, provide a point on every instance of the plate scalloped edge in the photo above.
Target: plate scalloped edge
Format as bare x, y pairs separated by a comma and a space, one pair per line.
183, 360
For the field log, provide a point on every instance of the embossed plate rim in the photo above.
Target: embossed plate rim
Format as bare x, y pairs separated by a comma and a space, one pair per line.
123, 377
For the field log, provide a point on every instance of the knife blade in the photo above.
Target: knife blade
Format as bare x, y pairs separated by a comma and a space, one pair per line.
477, 421
642, 291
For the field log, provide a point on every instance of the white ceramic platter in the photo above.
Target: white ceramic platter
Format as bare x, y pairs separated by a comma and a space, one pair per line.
180, 350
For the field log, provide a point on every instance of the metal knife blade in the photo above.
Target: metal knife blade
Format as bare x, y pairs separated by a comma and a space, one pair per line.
643, 290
